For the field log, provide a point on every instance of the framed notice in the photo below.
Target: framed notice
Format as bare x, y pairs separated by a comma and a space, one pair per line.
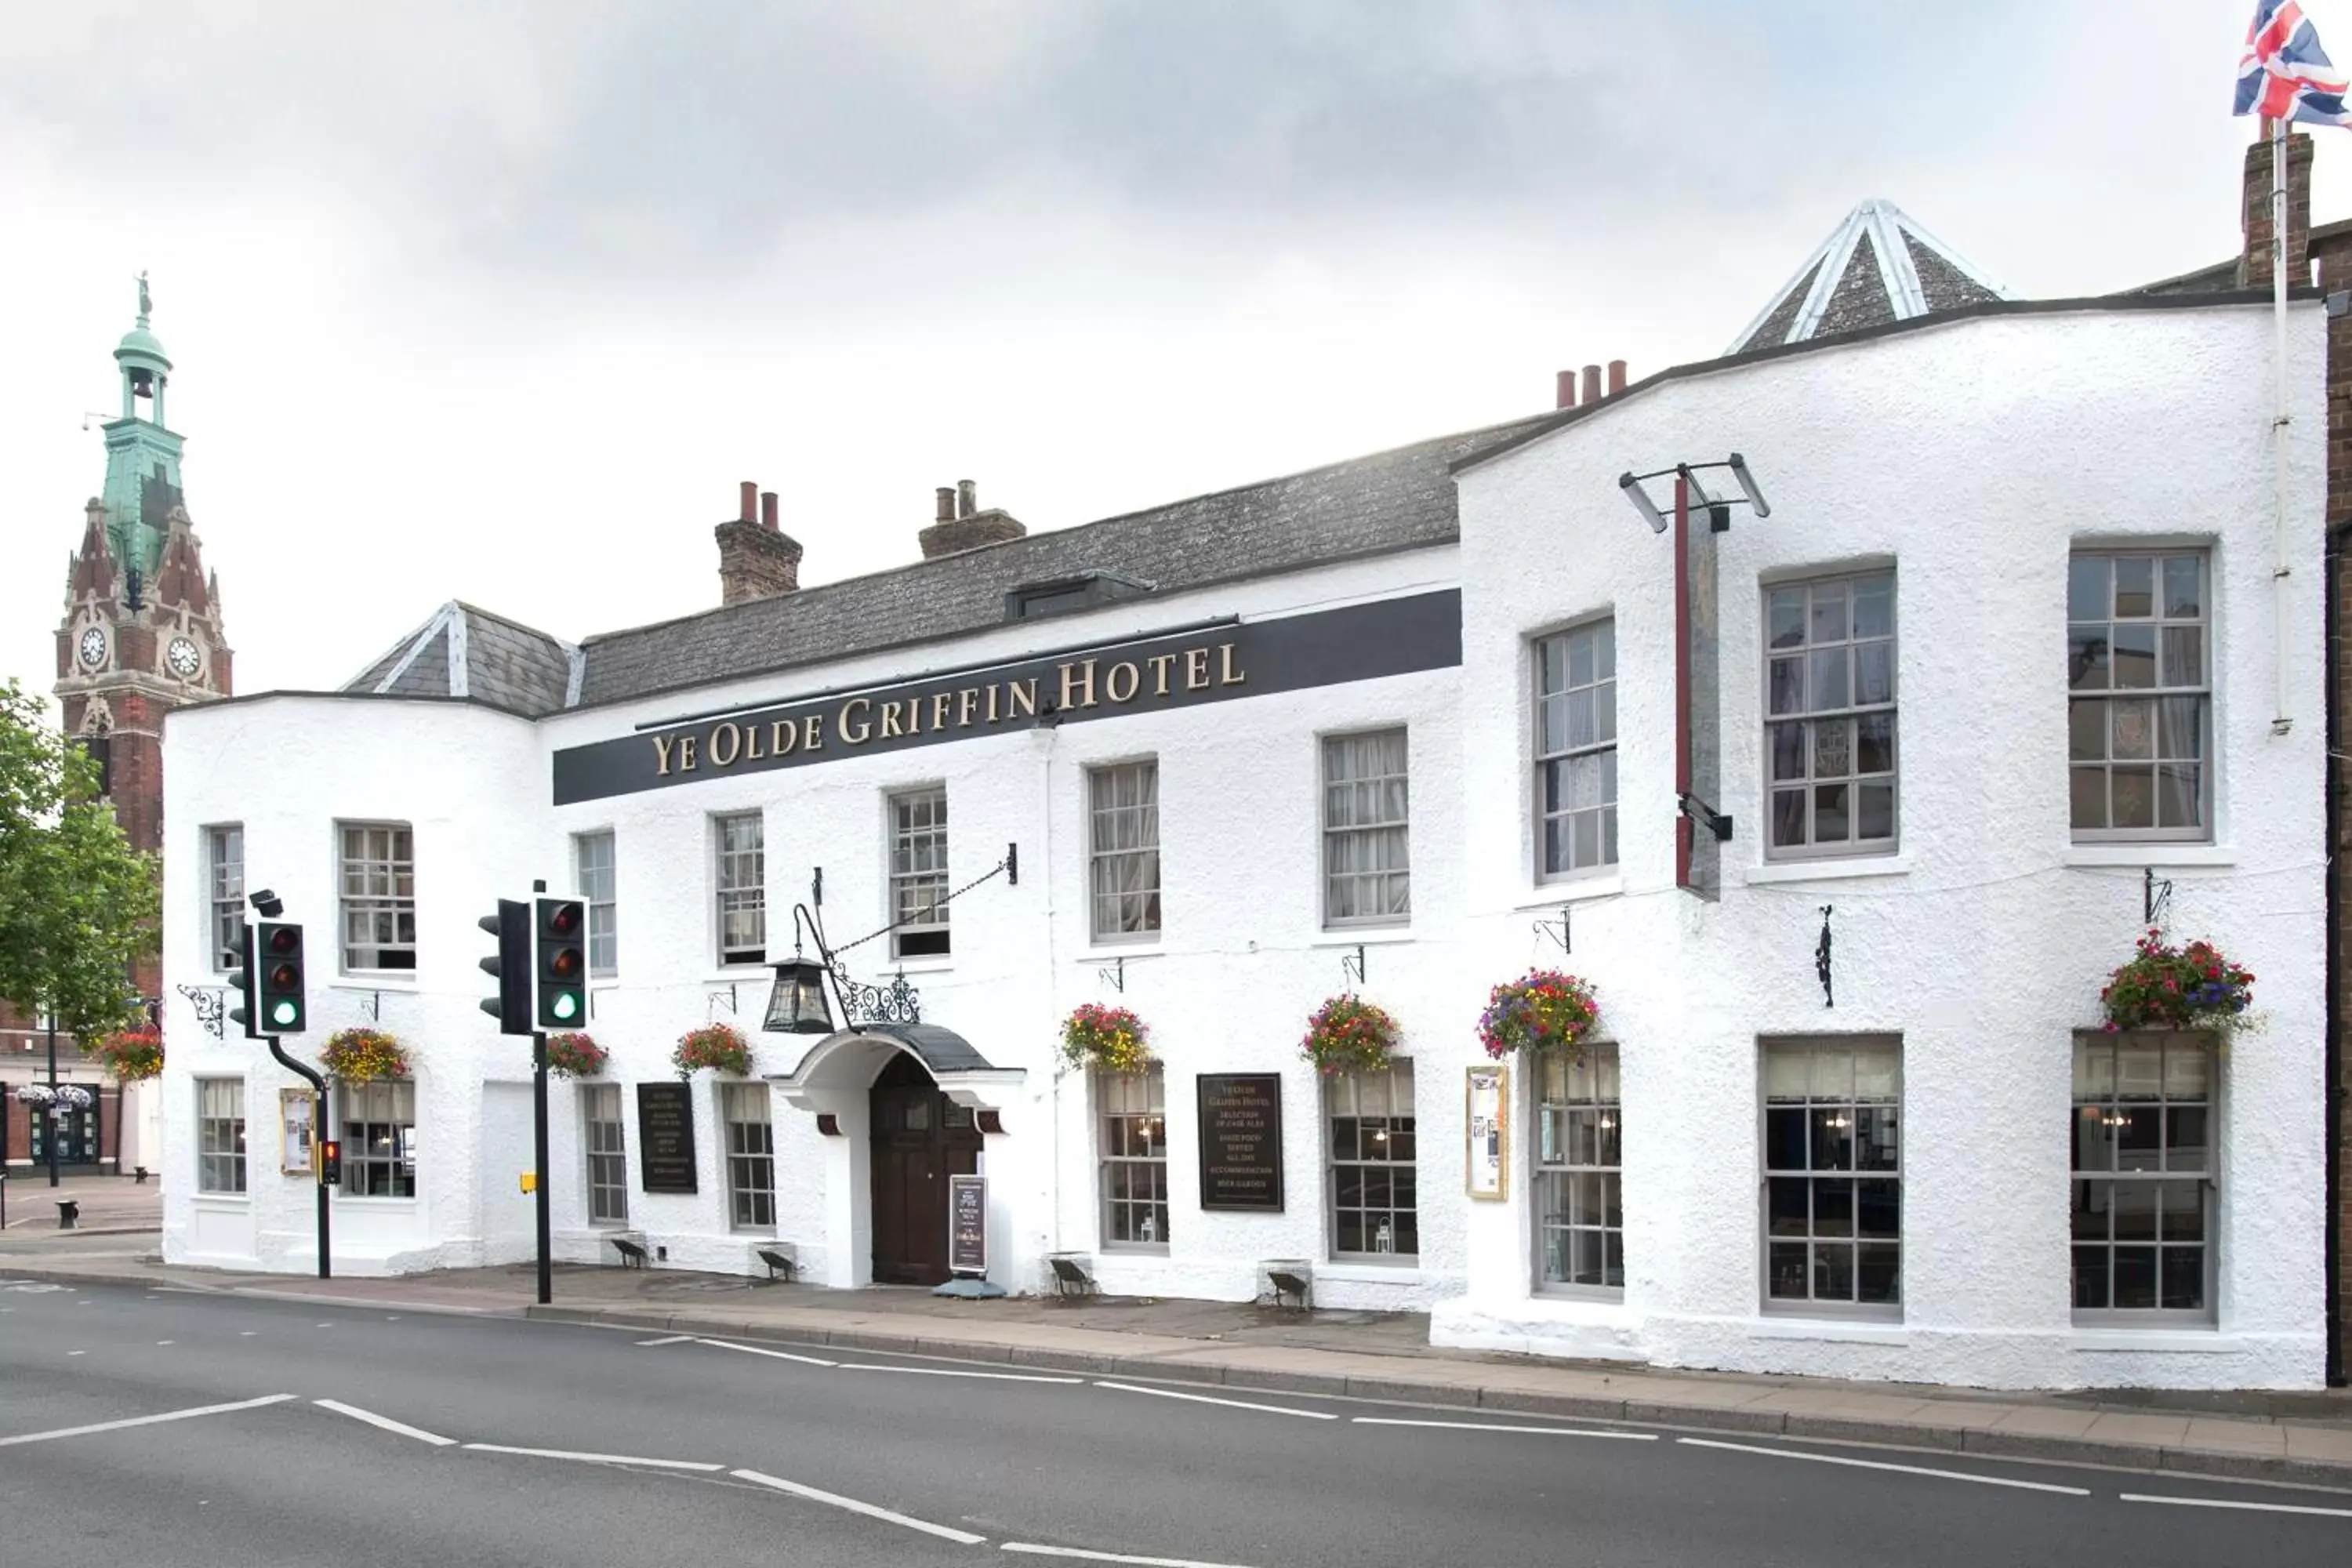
1241, 1140
968, 1224
666, 1137
1487, 1131
298, 1122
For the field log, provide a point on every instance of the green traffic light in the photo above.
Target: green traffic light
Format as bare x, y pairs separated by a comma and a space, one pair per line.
566, 1007
285, 1011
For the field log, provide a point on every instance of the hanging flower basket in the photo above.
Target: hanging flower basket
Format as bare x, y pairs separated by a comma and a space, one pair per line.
35, 1094
1110, 1039
1543, 1010
363, 1056
131, 1055
717, 1047
2164, 987
575, 1056
1348, 1034
70, 1095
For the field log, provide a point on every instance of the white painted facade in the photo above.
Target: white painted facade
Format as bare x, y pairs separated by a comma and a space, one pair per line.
1970, 454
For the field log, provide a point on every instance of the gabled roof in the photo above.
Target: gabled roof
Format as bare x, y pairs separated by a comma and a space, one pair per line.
1879, 266
461, 651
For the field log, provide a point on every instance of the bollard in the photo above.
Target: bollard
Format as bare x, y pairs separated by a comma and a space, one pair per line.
68, 1213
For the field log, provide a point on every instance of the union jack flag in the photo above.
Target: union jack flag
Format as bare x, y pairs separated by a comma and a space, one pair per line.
2284, 74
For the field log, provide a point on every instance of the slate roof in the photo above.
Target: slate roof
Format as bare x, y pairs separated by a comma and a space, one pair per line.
462, 651
2230, 274
1879, 266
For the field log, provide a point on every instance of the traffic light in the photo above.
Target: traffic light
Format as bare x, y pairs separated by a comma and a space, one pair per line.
248, 1011
278, 949
562, 964
511, 1005
330, 1162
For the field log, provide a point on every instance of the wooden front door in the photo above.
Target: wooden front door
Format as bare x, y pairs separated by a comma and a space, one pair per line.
919, 1139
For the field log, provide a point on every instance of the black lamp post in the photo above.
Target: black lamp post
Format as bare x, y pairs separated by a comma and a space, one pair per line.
53, 1111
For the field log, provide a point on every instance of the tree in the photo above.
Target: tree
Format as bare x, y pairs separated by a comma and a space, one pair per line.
78, 904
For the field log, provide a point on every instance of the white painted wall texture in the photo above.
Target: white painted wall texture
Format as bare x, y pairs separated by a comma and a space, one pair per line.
1971, 456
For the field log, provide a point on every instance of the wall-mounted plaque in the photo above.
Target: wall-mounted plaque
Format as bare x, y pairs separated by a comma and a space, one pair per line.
1241, 1140
666, 1137
968, 1224
297, 1111
1487, 1131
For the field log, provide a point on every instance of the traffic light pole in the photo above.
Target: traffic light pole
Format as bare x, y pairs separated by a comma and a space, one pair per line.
317, 1130
539, 1142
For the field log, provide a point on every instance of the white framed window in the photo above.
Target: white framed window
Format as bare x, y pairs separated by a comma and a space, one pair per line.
379, 1138
223, 895
750, 1156
598, 880
1834, 1176
2145, 1177
608, 1158
1576, 749
1123, 851
220, 1135
379, 895
1367, 859
2139, 695
1134, 1158
1828, 716
742, 883
919, 873
1373, 1177
1578, 1171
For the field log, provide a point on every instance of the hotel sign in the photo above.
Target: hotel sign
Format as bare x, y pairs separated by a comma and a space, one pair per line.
1220, 664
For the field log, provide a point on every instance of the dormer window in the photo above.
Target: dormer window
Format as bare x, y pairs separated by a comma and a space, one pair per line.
1067, 595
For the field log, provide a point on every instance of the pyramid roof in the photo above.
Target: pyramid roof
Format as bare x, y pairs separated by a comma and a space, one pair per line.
1879, 266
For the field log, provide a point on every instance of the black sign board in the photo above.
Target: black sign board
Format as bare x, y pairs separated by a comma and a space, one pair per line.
1241, 1140
968, 1224
666, 1137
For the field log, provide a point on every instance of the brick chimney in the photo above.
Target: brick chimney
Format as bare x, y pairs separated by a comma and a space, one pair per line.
2255, 212
756, 559
959, 525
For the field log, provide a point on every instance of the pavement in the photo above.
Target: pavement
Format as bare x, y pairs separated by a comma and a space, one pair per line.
2297, 1438
110, 1205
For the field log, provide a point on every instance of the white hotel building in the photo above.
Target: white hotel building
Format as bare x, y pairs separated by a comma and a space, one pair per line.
2008, 640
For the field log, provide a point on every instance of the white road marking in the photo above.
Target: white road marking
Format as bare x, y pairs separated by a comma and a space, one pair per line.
780, 1355
76, 1352
246, 1333
954, 1371
2232, 1502
1882, 1465
595, 1459
1028, 1550
162, 1342
1497, 1426
147, 1420
386, 1422
871, 1510
1205, 1399
672, 1340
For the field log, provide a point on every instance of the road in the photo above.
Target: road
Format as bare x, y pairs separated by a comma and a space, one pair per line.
393, 1437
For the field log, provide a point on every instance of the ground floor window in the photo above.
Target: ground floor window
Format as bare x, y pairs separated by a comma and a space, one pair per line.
750, 1156
1134, 1157
1832, 1175
1579, 1196
220, 1135
379, 1139
2144, 1177
1374, 1195
608, 1162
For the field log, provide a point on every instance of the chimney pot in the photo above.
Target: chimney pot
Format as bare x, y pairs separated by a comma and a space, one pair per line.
1616, 376
967, 498
945, 512
1593, 383
768, 510
1564, 390
751, 492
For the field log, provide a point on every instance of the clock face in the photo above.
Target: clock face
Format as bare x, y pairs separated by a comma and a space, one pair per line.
183, 658
93, 647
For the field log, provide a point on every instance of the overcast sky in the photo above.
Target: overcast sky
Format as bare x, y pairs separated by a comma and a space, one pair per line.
497, 299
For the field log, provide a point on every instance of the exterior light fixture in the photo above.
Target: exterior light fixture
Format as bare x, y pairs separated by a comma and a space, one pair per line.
797, 1004
1642, 501
1692, 495
267, 905
1746, 481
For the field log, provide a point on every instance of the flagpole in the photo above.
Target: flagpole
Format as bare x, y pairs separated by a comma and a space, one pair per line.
2280, 723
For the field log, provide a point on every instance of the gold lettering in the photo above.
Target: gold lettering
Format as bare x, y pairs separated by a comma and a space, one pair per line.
890, 722
783, 736
1227, 674
914, 715
751, 752
865, 727
813, 732
1160, 663
1079, 693
662, 744
940, 700
1020, 698
1196, 669
732, 739
992, 702
1134, 679
686, 753
966, 700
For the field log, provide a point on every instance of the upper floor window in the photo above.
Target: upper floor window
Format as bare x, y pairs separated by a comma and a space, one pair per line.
223, 895
1123, 850
1366, 874
1576, 749
742, 881
919, 873
2140, 709
599, 890
378, 902
1829, 710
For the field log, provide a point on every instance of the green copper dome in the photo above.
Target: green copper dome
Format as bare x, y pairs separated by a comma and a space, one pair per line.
139, 342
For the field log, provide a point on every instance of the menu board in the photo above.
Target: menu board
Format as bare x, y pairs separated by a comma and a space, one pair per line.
666, 1137
1487, 1126
1241, 1140
967, 1224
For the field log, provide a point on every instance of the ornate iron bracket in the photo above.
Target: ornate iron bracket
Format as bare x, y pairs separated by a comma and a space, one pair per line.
211, 1002
1562, 935
1116, 975
2154, 898
1351, 970
897, 1003
712, 1000
1822, 959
